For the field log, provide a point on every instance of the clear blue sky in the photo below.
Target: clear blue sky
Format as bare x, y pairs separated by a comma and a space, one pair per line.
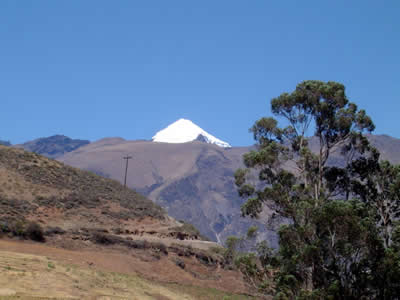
93, 69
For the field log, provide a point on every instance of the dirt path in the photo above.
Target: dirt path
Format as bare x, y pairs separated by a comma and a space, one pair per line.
198, 244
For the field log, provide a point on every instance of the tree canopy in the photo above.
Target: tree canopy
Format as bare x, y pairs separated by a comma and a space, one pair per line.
320, 172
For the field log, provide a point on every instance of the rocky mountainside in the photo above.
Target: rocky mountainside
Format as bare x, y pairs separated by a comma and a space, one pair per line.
53, 146
192, 181
388, 146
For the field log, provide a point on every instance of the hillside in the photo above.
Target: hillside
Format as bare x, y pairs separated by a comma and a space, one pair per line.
53, 146
192, 181
36, 271
388, 146
33, 186
115, 229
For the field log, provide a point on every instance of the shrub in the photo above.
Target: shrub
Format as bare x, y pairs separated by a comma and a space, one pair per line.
118, 230
54, 230
18, 229
137, 244
4, 227
104, 239
180, 263
205, 259
160, 247
34, 232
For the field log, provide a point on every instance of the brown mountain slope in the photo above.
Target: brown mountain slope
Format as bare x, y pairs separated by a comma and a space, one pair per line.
192, 181
38, 182
95, 222
388, 146
33, 187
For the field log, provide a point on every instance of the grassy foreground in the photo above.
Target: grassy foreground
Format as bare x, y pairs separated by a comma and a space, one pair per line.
25, 276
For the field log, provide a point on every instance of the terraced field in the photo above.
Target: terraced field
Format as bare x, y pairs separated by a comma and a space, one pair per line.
33, 277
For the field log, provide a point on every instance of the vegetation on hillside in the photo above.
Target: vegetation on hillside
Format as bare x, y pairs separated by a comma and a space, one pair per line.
342, 240
35, 182
38, 192
46, 201
33, 277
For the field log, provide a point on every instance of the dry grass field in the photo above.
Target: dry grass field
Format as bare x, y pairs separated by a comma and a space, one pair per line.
26, 276
32, 271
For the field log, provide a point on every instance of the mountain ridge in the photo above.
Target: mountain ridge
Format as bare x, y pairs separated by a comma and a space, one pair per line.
53, 146
193, 181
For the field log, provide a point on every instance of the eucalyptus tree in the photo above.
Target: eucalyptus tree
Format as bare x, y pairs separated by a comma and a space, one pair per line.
378, 185
295, 175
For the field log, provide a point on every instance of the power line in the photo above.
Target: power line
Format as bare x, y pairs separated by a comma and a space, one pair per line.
126, 168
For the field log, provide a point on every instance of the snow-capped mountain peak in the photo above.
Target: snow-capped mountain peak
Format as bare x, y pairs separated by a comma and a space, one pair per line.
183, 131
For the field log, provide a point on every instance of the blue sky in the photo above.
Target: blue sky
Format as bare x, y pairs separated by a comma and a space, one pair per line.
93, 69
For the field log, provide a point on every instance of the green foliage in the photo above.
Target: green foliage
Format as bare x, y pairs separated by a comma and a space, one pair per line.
22, 229
247, 263
50, 265
378, 185
231, 243
188, 230
18, 228
341, 241
254, 265
252, 232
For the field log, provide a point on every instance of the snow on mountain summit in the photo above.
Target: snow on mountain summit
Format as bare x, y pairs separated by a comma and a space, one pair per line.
183, 131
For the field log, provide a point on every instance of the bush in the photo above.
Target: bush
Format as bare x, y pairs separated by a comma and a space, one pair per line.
104, 239
18, 228
34, 232
180, 263
118, 230
159, 247
4, 227
137, 244
54, 230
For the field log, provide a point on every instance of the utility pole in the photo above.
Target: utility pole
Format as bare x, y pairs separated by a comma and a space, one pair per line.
126, 168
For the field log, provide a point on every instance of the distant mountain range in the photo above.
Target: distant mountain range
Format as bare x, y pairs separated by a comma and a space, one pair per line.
5, 143
53, 146
193, 181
